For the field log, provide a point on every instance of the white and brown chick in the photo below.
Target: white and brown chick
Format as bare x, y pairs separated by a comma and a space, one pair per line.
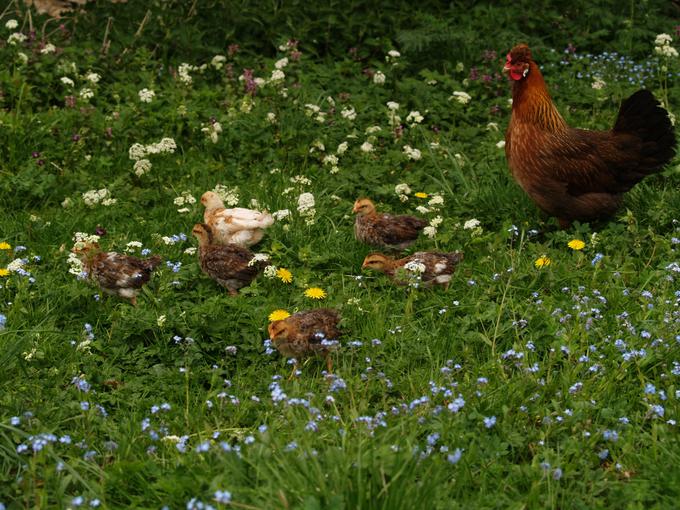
430, 268
116, 273
238, 225
307, 333
230, 265
382, 229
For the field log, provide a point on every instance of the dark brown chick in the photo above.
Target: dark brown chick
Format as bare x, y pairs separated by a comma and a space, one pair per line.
382, 229
116, 273
307, 333
230, 265
437, 267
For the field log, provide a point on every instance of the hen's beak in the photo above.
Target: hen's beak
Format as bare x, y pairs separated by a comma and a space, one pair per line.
506, 68
355, 209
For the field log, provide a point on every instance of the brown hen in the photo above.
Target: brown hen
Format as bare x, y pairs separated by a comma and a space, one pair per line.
430, 268
116, 273
230, 265
382, 229
307, 333
577, 174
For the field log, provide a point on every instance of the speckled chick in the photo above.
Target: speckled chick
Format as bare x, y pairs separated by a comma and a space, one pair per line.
230, 265
307, 333
382, 229
433, 268
237, 225
116, 273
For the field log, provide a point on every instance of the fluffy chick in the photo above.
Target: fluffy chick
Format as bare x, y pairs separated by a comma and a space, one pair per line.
307, 333
230, 265
244, 227
116, 273
385, 230
433, 268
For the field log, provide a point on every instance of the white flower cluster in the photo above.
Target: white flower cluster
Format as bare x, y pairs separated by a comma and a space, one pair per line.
415, 266
403, 191
312, 110
414, 118
48, 48
229, 196
306, 208
348, 113
101, 196
342, 148
86, 93
146, 95
270, 271
183, 73
16, 264
598, 83
366, 147
474, 225
392, 56
662, 46
11, 24
93, 78
258, 257
431, 230
271, 118
281, 214
461, 97
213, 131
138, 153
411, 153
379, 78
16, 37
67, 81
80, 241
332, 160
185, 199
218, 61
277, 76
132, 246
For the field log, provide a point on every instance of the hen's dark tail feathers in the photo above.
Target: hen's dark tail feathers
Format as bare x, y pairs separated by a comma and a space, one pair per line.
642, 116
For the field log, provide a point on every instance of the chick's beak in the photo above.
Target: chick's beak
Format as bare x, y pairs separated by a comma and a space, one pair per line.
506, 67
355, 209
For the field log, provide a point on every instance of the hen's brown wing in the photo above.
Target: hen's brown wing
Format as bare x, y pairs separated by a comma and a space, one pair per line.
229, 262
117, 271
394, 230
313, 326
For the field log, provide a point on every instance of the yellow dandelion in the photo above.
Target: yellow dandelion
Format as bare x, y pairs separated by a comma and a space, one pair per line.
542, 262
420, 194
315, 293
278, 315
284, 275
576, 244
4, 272
5, 246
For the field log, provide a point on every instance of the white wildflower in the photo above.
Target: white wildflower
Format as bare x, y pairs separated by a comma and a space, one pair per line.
402, 190
422, 209
372, 129
312, 109
141, 167
436, 200
391, 105
191, 250
330, 159
305, 202
16, 37
11, 24
492, 126
414, 118
436, 221
86, 93
415, 266
218, 61
48, 48
598, 83
94, 197
317, 144
213, 130
67, 81
109, 201
271, 117
160, 321
461, 97
270, 271
183, 72
280, 64
666, 51
663, 40
67, 202
430, 231
366, 147
23, 58
146, 95
132, 246
470, 224
281, 214
412, 153
277, 75
93, 78
349, 113
258, 257
393, 54
228, 195
342, 148
501, 144
378, 78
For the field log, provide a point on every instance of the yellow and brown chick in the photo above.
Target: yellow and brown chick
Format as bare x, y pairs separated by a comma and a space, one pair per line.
116, 273
382, 229
430, 268
230, 265
238, 225
307, 333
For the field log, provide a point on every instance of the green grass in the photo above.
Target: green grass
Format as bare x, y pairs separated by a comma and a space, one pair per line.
143, 407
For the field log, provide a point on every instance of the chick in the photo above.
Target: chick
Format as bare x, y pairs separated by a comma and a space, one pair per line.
230, 265
385, 230
433, 268
244, 227
116, 273
311, 332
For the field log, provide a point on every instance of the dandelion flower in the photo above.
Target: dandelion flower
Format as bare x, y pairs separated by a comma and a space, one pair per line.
576, 244
4, 272
542, 262
278, 315
284, 275
420, 194
315, 293
5, 246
